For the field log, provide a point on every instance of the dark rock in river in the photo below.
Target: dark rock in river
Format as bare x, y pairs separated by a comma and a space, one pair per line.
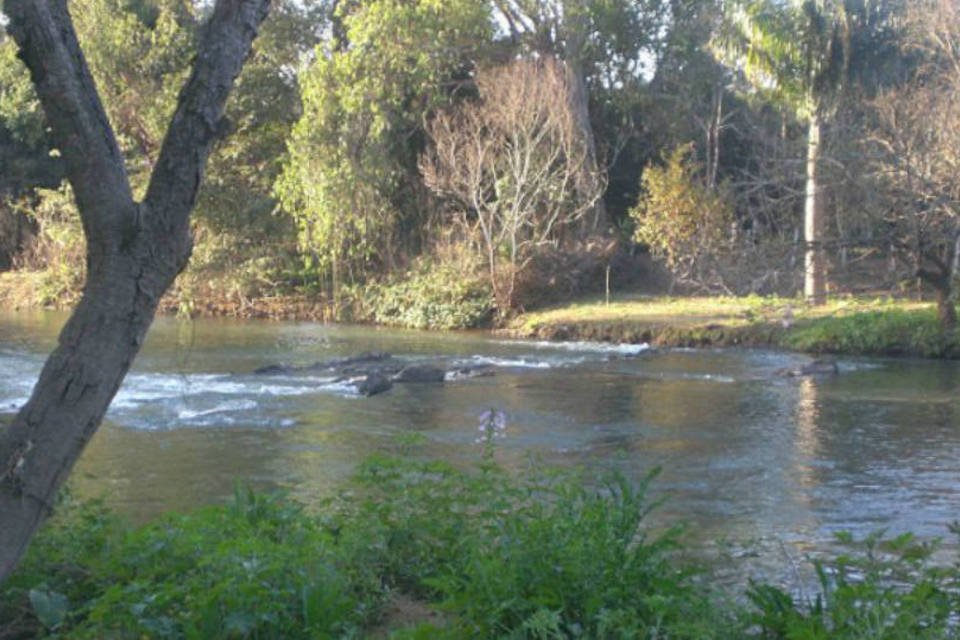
821, 367
420, 373
274, 369
371, 384
339, 365
376, 371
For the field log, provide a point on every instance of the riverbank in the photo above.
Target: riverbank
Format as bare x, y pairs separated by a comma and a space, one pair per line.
844, 326
32, 290
876, 327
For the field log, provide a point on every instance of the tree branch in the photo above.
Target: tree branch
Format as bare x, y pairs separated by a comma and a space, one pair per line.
198, 121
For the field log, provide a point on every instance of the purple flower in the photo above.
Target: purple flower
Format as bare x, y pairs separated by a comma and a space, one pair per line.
493, 423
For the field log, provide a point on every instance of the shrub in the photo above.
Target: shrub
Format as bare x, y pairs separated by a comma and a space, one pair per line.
539, 556
683, 222
886, 589
258, 568
431, 296
544, 557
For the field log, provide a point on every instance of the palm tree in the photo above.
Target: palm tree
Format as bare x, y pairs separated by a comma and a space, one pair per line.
795, 53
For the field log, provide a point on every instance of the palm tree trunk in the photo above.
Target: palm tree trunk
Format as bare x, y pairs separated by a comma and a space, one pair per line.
815, 272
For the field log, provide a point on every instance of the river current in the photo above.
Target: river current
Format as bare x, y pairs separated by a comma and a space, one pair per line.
768, 466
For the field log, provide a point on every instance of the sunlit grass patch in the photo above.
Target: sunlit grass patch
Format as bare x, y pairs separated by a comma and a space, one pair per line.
866, 326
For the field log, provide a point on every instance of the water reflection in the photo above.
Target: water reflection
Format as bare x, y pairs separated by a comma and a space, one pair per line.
808, 436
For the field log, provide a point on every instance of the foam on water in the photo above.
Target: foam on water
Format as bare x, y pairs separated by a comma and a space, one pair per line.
513, 363
582, 346
223, 407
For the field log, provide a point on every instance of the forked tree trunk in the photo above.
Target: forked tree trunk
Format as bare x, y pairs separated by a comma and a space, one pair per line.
134, 250
815, 271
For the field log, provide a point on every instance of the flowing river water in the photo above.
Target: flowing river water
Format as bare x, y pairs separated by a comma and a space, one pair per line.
771, 467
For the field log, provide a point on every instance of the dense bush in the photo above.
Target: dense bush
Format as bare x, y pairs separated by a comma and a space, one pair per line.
58, 248
428, 297
258, 568
540, 559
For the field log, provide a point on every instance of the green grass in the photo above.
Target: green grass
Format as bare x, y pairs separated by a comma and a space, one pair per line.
476, 554
842, 326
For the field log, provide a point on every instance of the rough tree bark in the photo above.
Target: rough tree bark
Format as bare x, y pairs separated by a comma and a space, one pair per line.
134, 249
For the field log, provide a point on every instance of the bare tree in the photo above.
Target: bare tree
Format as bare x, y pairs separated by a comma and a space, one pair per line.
916, 151
513, 165
134, 249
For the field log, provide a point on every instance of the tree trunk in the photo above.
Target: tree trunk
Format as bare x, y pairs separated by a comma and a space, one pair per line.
815, 276
579, 101
941, 280
946, 310
134, 250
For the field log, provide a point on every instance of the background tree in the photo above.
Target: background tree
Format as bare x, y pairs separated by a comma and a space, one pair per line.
351, 180
796, 54
913, 145
512, 164
606, 48
135, 249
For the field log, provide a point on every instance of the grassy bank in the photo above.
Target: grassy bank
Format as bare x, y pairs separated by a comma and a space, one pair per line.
843, 326
420, 550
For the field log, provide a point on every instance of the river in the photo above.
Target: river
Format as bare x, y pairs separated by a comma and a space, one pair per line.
769, 466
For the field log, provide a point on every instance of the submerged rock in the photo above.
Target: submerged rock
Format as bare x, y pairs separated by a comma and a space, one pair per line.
819, 367
274, 369
337, 365
420, 373
367, 357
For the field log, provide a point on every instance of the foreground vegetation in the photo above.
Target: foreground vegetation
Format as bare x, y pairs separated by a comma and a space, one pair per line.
879, 327
421, 550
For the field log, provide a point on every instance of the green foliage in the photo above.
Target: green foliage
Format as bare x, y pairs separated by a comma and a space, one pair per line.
59, 248
139, 55
433, 296
539, 558
536, 556
350, 180
683, 222
794, 53
889, 332
887, 589
236, 197
20, 112
258, 568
